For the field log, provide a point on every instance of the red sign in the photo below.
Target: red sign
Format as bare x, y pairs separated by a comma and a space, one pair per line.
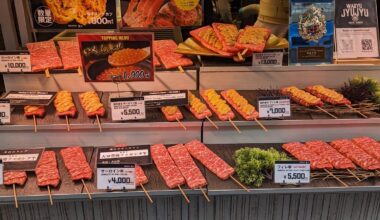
122, 57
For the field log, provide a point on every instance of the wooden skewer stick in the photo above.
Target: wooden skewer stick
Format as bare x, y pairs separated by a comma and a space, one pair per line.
233, 124
261, 125
205, 195
85, 188
184, 194
240, 56
67, 123
339, 180
326, 112
181, 69
50, 197
213, 123
80, 71
244, 51
353, 174
47, 73
99, 125
15, 195
355, 110
35, 123
239, 183
146, 193
180, 123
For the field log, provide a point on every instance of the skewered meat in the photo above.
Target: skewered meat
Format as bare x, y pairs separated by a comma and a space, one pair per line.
47, 170
76, 163
90, 102
64, 104
165, 51
253, 39
172, 113
15, 177
43, 55
217, 104
240, 104
227, 34
328, 95
207, 37
70, 54
197, 107
301, 97
38, 111
369, 145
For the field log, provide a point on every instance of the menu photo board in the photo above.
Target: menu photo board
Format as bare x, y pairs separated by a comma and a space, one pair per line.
72, 14
121, 57
356, 29
161, 13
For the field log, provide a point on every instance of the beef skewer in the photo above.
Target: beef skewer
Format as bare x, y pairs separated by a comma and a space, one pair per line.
34, 111
252, 39
47, 172
15, 178
172, 113
212, 162
331, 96
167, 168
65, 106
219, 106
369, 145
199, 109
90, 102
189, 170
304, 98
77, 166
70, 53
165, 51
241, 105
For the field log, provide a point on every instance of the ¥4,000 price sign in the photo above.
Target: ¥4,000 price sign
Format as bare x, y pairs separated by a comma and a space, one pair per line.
116, 176
274, 107
292, 172
131, 108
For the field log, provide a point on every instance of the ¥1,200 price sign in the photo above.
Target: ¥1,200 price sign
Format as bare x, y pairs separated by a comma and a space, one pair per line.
292, 172
115, 176
274, 107
131, 108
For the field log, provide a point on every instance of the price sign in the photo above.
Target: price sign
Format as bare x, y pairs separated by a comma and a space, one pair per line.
1, 173
15, 62
30, 97
131, 108
124, 155
165, 98
116, 176
267, 59
274, 107
5, 111
20, 159
292, 172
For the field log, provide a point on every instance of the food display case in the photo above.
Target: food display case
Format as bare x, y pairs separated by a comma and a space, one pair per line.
214, 156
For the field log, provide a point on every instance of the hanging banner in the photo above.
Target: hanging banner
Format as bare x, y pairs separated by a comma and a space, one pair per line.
72, 14
356, 28
161, 13
123, 56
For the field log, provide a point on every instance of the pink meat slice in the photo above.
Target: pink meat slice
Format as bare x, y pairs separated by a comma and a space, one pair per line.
166, 166
187, 166
369, 145
69, 51
141, 178
43, 55
165, 50
209, 159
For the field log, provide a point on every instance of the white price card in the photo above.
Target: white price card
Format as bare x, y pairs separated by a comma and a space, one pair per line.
1, 173
292, 172
115, 176
267, 59
15, 63
131, 108
5, 111
274, 107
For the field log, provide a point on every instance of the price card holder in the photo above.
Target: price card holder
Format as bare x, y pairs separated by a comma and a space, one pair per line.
292, 172
5, 111
128, 108
274, 107
21, 159
15, 61
30, 97
124, 155
270, 58
115, 177
1, 173
165, 98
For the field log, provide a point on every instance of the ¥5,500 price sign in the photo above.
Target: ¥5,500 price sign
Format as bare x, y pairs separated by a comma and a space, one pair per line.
292, 172
274, 107
116, 176
131, 108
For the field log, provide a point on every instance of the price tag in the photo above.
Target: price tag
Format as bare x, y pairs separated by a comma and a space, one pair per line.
165, 98
5, 111
292, 172
116, 176
15, 62
124, 155
1, 173
267, 59
30, 97
274, 107
131, 108
20, 159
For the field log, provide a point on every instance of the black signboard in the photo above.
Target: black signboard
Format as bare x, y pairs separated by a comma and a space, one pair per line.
20, 159
72, 14
165, 98
355, 13
30, 97
124, 155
